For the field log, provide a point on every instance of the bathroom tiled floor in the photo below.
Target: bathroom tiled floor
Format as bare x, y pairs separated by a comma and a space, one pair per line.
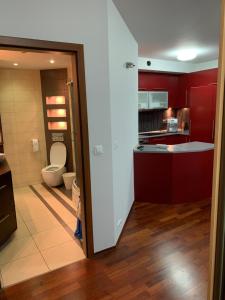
44, 239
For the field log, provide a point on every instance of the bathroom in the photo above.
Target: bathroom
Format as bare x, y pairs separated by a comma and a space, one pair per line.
37, 139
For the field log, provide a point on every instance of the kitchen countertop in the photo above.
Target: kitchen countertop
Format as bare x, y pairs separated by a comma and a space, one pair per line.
159, 133
180, 148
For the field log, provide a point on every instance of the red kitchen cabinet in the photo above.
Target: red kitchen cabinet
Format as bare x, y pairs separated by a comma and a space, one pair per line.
157, 140
202, 78
183, 94
177, 85
177, 139
169, 140
160, 82
173, 177
202, 113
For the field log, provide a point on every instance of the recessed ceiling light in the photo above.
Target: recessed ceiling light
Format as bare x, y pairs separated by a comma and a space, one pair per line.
15, 64
52, 61
188, 54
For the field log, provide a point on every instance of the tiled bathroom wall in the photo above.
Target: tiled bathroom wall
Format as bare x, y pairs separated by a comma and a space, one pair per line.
22, 120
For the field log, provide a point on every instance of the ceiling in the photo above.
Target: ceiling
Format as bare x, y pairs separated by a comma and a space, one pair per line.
33, 60
162, 27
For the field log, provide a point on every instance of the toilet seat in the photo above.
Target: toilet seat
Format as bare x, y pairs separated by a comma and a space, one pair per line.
51, 169
52, 174
58, 154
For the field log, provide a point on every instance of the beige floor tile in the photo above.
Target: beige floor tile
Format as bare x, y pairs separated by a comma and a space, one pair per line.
51, 238
17, 248
18, 216
72, 225
62, 255
21, 230
23, 269
34, 214
42, 224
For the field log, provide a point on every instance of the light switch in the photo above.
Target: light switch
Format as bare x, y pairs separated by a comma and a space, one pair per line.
98, 150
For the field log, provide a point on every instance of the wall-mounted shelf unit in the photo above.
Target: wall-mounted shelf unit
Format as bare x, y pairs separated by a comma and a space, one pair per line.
56, 110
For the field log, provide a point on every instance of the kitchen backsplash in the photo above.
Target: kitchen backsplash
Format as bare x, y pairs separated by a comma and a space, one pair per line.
156, 119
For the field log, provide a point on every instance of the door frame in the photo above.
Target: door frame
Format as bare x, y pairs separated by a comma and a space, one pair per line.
80, 110
216, 286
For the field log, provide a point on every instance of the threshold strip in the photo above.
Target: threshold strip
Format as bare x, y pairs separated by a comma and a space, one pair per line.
59, 219
60, 199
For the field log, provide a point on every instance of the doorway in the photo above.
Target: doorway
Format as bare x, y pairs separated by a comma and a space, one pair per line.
79, 133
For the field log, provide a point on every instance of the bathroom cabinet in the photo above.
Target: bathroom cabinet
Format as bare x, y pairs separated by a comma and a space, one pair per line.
8, 222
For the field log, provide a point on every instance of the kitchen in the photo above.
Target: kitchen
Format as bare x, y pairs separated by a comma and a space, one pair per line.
176, 136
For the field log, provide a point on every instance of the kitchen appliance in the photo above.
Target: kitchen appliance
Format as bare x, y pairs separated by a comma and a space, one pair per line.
153, 100
172, 125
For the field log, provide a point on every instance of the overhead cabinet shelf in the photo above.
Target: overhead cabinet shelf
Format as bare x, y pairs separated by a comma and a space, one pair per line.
152, 100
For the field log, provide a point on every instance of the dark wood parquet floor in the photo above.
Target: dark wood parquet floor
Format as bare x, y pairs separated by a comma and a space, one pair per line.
162, 255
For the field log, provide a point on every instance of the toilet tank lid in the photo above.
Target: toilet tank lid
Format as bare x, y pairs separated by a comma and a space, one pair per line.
58, 154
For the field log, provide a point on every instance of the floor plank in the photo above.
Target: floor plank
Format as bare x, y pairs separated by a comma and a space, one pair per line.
162, 255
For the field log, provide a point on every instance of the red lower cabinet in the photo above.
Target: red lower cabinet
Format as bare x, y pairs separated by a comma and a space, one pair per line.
173, 177
202, 113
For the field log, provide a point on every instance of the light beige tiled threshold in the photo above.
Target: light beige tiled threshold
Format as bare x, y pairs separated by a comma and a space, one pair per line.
41, 243
62, 255
51, 238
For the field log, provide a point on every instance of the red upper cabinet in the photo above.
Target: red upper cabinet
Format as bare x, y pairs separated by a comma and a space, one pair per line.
149, 81
177, 85
202, 113
183, 91
202, 78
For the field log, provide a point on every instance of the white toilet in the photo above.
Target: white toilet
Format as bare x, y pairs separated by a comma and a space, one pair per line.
52, 174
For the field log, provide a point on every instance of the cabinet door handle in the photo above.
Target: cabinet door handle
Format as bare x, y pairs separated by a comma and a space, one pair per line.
4, 218
3, 187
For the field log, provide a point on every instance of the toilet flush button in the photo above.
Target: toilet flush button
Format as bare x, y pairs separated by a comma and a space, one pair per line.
98, 150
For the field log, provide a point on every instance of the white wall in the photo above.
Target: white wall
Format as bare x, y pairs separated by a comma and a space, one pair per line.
79, 22
86, 22
124, 113
174, 66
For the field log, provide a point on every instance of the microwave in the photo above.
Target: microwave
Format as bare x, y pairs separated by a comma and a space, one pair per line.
152, 100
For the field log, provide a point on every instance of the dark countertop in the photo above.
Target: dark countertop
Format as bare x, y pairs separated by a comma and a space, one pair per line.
159, 133
4, 167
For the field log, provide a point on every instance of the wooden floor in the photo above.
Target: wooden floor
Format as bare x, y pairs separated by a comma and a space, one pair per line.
163, 255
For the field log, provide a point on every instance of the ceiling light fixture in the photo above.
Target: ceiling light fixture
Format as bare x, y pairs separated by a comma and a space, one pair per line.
15, 64
186, 55
52, 61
